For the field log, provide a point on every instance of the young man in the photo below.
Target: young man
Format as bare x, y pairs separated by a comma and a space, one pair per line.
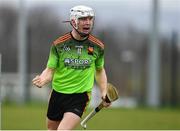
75, 58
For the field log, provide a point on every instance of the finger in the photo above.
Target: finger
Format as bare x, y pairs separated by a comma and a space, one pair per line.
41, 84
38, 85
106, 99
36, 81
105, 104
103, 98
36, 78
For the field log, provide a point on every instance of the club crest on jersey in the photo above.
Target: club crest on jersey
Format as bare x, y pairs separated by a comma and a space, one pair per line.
90, 50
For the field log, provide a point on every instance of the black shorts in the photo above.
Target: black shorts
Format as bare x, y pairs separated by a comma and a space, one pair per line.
60, 103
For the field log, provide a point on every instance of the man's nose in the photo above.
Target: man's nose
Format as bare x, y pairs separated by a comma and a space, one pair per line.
87, 21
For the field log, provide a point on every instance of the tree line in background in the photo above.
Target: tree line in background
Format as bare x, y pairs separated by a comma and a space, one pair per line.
125, 52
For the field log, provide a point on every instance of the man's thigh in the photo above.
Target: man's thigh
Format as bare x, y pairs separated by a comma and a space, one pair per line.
69, 121
52, 125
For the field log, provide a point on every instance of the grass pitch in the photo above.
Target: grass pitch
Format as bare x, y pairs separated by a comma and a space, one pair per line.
33, 117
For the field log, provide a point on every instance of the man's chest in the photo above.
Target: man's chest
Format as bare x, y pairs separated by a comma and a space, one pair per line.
77, 55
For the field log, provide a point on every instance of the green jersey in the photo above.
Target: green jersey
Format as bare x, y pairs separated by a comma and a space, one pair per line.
75, 63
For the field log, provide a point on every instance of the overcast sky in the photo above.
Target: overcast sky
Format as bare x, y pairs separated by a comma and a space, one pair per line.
117, 12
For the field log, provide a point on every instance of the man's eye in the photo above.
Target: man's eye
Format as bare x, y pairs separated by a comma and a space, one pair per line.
86, 18
90, 18
83, 18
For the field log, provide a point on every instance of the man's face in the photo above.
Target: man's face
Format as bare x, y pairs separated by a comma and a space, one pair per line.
85, 24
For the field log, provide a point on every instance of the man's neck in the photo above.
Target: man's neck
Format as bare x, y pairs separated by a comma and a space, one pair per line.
76, 35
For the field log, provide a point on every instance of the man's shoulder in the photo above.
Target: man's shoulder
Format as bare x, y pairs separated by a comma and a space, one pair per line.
96, 41
62, 39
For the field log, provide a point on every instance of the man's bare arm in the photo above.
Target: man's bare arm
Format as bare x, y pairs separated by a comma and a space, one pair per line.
101, 80
45, 77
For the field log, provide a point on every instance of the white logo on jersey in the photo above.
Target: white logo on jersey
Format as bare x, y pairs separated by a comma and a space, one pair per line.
66, 48
77, 63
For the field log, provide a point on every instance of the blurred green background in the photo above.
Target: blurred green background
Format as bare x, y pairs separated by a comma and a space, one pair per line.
33, 117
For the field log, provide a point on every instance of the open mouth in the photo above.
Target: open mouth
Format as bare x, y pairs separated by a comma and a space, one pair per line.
86, 28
